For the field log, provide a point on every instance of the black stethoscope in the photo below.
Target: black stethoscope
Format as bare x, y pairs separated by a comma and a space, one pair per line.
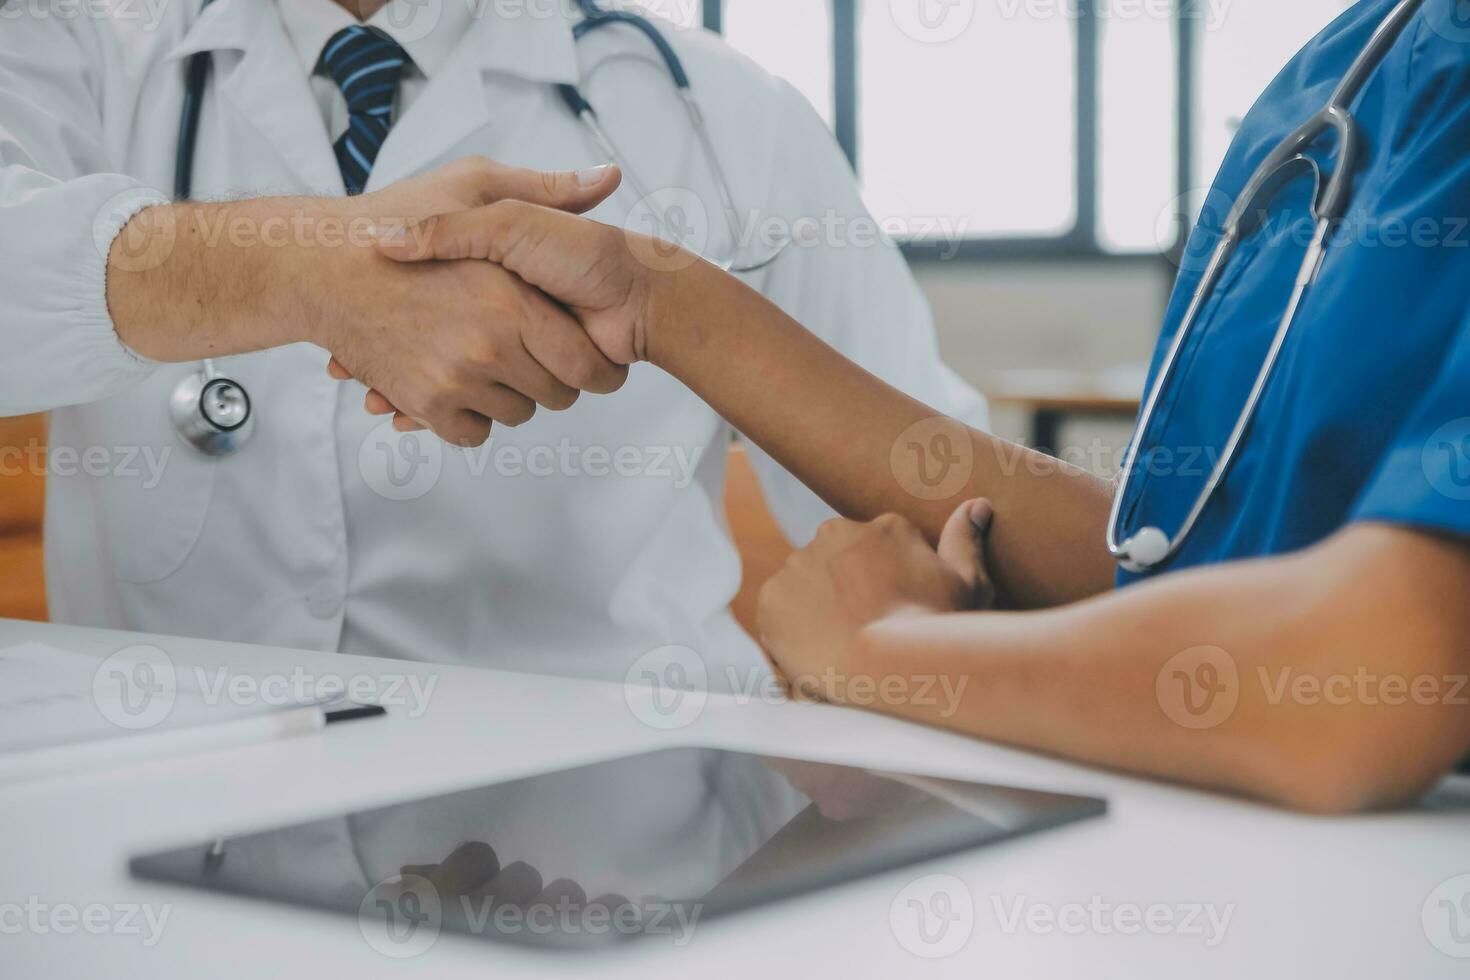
213, 413
210, 412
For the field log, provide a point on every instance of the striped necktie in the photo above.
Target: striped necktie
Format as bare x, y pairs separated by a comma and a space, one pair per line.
366, 64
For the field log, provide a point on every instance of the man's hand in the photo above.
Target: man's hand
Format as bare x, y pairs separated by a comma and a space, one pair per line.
456, 346
590, 269
813, 612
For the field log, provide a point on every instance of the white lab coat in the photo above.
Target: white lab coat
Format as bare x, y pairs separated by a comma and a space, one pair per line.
572, 545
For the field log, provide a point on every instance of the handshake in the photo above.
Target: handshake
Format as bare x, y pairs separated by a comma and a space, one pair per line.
473, 297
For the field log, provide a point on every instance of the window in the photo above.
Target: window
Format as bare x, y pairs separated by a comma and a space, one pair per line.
1035, 126
934, 145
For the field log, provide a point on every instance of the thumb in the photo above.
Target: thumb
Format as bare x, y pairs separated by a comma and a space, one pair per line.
577, 191
962, 548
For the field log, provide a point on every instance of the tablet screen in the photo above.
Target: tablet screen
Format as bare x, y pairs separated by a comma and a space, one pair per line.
645, 845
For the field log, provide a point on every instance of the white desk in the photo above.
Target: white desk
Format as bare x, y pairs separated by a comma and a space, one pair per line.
1308, 897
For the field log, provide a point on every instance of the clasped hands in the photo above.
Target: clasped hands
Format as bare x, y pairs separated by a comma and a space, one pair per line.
484, 300
499, 300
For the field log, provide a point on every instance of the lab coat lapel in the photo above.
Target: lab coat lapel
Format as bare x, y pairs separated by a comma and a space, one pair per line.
454, 106
270, 90
451, 108
267, 86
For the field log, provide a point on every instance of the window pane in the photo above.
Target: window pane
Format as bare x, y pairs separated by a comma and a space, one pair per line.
1241, 49
791, 39
968, 118
1138, 148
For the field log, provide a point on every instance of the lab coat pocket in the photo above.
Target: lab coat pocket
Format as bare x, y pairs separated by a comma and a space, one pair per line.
153, 509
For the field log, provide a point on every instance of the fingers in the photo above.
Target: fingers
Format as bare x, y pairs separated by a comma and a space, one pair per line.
561, 345
576, 191
962, 547
337, 370
447, 237
468, 869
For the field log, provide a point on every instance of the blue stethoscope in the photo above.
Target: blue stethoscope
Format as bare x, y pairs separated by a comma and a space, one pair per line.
1150, 547
213, 413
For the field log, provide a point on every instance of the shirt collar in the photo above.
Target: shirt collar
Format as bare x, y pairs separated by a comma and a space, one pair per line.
530, 41
429, 32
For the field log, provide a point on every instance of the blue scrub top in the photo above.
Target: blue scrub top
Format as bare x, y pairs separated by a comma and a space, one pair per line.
1367, 417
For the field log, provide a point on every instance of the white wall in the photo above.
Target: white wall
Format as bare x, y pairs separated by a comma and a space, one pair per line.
1091, 316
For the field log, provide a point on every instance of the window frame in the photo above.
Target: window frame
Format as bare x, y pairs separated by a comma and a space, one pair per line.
1081, 241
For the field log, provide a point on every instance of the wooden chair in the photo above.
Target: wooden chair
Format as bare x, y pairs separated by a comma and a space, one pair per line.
22, 493
763, 548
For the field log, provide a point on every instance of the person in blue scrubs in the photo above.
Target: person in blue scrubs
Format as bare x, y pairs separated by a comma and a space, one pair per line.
1310, 641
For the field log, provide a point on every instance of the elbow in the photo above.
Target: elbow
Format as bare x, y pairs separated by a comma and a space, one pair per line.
1371, 770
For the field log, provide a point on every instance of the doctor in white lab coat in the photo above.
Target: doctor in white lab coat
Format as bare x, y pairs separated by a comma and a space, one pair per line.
573, 544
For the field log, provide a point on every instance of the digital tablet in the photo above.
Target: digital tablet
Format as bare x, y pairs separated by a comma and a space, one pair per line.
646, 845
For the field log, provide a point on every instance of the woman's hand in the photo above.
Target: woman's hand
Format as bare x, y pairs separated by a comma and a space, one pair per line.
812, 613
603, 276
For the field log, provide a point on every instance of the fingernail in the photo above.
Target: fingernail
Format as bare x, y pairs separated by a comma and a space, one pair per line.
392, 235
592, 176
982, 512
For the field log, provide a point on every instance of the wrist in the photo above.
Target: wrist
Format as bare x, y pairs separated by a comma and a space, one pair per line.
672, 323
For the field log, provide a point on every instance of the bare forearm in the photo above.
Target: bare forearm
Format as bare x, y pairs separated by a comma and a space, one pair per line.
1329, 680
190, 281
868, 449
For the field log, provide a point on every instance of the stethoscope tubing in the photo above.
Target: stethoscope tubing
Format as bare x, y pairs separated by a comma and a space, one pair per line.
1282, 165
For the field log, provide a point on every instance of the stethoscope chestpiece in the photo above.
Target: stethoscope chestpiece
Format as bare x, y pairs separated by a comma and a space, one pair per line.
212, 414
1145, 551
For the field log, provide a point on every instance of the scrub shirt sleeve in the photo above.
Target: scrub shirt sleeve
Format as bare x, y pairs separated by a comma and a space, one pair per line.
60, 209
849, 284
1423, 480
